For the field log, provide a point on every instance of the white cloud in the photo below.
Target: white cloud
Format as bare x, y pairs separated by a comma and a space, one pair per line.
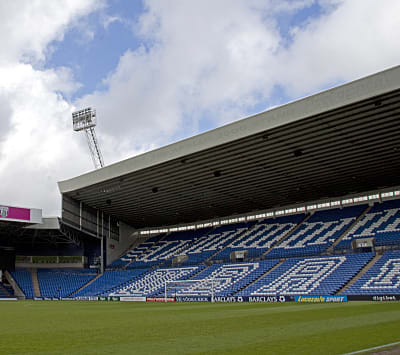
356, 39
27, 27
214, 61
36, 143
202, 56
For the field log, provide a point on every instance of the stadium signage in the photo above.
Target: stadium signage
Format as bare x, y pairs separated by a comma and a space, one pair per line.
376, 298
228, 299
192, 299
160, 299
383, 298
320, 299
132, 299
109, 298
8, 212
4, 211
267, 299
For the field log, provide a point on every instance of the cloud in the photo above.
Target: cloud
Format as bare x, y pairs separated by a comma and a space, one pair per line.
206, 63
356, 39
36, 143
187, 65
27, 27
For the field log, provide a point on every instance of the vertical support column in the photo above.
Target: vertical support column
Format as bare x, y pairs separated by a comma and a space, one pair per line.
80, 215
165, 292
212, 290
102, 244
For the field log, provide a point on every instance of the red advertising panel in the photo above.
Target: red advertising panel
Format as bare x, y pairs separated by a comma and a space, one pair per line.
160, 299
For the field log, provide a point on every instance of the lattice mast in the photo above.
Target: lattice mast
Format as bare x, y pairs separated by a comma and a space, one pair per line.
85, 120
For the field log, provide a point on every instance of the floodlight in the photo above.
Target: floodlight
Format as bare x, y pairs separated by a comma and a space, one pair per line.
85, 120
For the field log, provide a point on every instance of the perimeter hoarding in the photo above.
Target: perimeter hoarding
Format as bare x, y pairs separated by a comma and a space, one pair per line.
20, 214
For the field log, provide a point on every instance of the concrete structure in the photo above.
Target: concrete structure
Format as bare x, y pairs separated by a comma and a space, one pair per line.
340, 141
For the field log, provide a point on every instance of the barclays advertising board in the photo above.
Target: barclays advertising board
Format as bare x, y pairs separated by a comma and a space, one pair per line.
226, 299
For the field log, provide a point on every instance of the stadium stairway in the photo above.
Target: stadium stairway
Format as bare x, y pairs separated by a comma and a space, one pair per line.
358, 219
4, 291
83, 286
35, 283
261, 276
288, 234
360, 274
17, 290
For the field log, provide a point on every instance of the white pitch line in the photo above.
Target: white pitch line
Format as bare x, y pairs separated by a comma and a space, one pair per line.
374, 348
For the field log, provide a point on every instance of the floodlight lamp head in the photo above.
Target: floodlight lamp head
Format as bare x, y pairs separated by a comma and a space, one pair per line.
84, 119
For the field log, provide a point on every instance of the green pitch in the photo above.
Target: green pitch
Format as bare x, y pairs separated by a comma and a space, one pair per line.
64, 327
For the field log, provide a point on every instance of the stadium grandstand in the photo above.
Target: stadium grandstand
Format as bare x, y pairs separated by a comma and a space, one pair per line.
300, 200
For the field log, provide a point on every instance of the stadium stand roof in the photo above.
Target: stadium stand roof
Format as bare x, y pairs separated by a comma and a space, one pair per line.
340, 141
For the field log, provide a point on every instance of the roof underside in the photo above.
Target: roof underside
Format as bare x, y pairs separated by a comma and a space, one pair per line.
349, 149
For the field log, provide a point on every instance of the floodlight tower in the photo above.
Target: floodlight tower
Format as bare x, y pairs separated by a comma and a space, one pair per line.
85, 120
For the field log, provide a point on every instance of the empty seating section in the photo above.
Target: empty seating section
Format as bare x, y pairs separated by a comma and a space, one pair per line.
282, 256
226, 279
166, 249
24, 280
382, 278
62, 282
309, 276
135, 252
206, 246
153, 283
261, 237
110, 281
318, 233
381, 222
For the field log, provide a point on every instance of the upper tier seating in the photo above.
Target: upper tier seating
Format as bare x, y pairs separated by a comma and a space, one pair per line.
167, 248
309, 276
135, 252
318, 233
205, 247
226, 279
62, 282
153, 282
258, 239
109, 281
381, 222
382, 278
24, 280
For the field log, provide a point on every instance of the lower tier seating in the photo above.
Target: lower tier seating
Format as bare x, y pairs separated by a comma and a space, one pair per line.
110, 281
382, 278
62, 282
24, 280
152, 283
309, 276
224, 279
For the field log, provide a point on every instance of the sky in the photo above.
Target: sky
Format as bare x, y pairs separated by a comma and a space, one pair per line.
160, 71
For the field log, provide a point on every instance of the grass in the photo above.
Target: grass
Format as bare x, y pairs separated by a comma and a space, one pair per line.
73, 327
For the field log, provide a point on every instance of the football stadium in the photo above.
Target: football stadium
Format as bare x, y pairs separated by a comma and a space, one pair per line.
278, 233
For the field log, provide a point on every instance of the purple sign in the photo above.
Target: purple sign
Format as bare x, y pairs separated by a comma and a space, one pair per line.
23, 214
